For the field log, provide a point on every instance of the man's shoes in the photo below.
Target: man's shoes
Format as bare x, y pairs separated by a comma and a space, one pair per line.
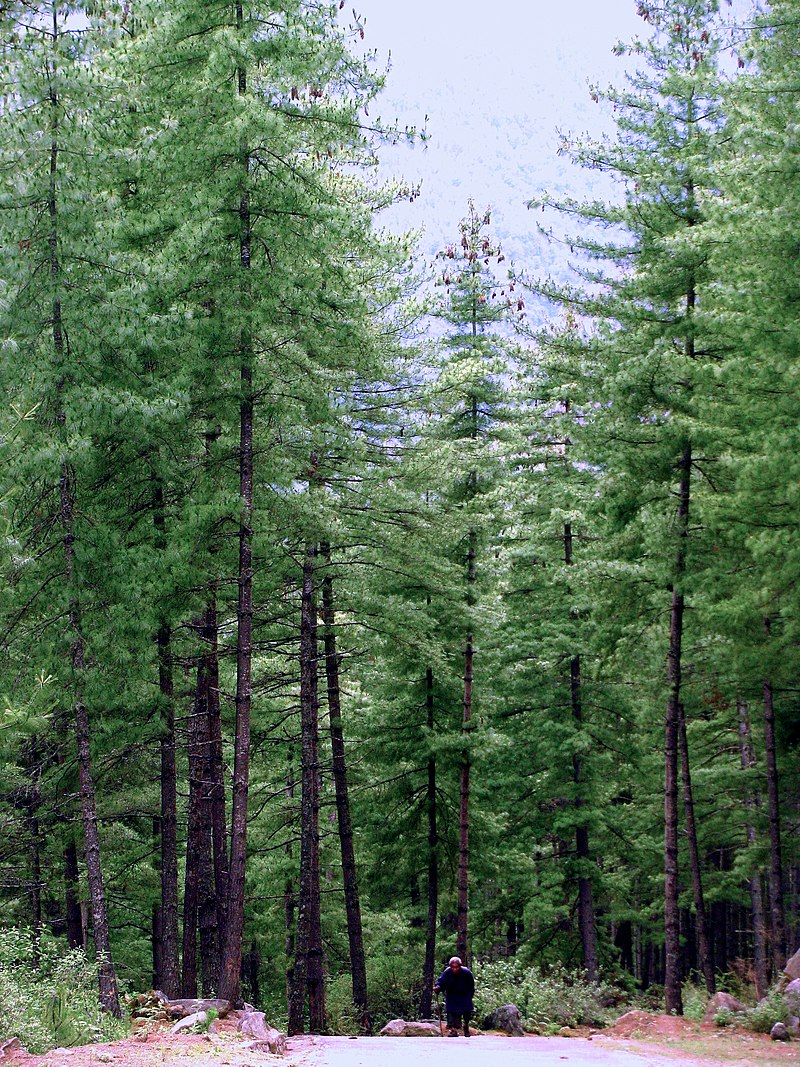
466, 1029
452, 1032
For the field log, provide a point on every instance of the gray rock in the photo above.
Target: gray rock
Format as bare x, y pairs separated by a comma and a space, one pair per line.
189, 1021
275, 1042
791, 995
179, 1009
780, 1033
401, 1028
254, 1024
506, 1018
793, 1025
13, 1044
792, 968
721, 1002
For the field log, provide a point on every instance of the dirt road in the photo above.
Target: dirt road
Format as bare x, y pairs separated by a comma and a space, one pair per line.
475, 1052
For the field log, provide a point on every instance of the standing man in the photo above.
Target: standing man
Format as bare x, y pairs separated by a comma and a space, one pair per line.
459, 987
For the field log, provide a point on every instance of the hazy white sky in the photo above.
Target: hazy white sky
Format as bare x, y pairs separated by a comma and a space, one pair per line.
496, 78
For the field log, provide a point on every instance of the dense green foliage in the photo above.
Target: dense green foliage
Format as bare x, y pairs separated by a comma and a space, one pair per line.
192, 254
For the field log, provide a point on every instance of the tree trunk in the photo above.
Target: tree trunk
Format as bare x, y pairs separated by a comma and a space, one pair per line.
234, 920
462, 908
71, 903
748, 759
773, 802
355, 935
586, 917
308, 970
672, 948
289, 901
703, 941
429, 972
197, 742
215, 779
107, 980
170, 977
33, 802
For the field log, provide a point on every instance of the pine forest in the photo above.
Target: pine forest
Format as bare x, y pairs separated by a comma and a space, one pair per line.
359, 609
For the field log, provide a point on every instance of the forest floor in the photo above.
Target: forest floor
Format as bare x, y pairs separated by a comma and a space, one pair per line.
638, 1040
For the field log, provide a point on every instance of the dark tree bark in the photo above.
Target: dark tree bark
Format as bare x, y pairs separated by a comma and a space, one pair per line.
33, 802
170, 977
308, 969
358, 966
586, 916
197, 742
672, 947
107, 979
231, 964
71, 903
289, 899
775, 849
703, 940
429, 971
748, 760
462, 908
215, 779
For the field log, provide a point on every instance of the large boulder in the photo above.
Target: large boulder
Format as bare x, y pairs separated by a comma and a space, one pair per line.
791, 995
780, 1033
179, 1009
506, 1018
721, 1002
792, 968
266, 1038
402, 1028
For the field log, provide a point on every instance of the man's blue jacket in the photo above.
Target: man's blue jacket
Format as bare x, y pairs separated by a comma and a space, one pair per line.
458, 987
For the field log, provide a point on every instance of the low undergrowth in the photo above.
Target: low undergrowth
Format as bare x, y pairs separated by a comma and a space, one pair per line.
48, 997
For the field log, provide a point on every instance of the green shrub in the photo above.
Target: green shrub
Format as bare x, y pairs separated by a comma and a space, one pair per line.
51, 1002
695, 1000
725, 1017
772, 1009
545, 1000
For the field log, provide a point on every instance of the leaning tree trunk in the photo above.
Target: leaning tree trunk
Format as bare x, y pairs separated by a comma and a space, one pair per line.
703, 941
231, 965
672, 946
429, 972
308, 972
358, 966
107, 979
586, 917
775, 857
748, 759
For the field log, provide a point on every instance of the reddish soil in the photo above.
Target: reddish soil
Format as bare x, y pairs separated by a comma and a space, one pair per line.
682, 1038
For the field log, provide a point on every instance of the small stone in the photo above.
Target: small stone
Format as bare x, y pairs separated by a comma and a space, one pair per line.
402, 1028
780, 1033
105, 1057
189, 1022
